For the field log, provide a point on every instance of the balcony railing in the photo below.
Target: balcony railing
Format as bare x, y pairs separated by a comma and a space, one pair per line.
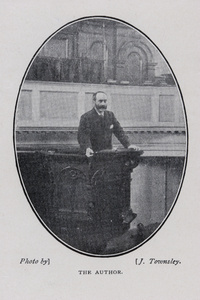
65, 69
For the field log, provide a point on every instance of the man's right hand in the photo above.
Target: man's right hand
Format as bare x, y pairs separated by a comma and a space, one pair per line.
89, 152
134, 147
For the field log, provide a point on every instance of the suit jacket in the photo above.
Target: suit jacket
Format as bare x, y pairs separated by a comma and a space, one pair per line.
96, 131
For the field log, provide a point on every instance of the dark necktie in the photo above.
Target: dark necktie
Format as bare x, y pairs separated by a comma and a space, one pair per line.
101, 120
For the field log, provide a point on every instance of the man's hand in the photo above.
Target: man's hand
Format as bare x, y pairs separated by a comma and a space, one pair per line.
89, 152
134, 147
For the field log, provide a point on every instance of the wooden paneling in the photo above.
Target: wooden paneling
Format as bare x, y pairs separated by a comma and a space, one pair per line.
24, 109
58, 105
166, 108
174, 173
155, 184
88, 103
134, 106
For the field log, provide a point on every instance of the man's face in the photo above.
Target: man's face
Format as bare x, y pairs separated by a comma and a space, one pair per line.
101, 102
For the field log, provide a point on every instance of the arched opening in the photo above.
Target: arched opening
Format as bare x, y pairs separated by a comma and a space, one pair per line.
133, 68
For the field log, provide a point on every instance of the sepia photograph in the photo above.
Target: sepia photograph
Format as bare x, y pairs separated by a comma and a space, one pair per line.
99, 181
100, 136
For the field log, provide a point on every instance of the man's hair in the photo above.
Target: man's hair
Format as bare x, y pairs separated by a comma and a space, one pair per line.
94, 96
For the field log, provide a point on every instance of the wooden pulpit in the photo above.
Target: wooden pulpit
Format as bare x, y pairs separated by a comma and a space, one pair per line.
84, 201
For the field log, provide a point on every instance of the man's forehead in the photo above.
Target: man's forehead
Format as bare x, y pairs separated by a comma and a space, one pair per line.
101, 96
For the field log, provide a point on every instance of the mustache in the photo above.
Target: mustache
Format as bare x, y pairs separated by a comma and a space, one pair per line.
102, 106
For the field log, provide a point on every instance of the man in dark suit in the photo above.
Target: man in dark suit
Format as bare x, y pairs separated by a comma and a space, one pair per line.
95, 133
97, 126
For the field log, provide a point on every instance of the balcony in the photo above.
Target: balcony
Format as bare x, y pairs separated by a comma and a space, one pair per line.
67, 70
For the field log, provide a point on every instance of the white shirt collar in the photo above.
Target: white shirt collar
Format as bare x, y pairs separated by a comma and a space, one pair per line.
100, 114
